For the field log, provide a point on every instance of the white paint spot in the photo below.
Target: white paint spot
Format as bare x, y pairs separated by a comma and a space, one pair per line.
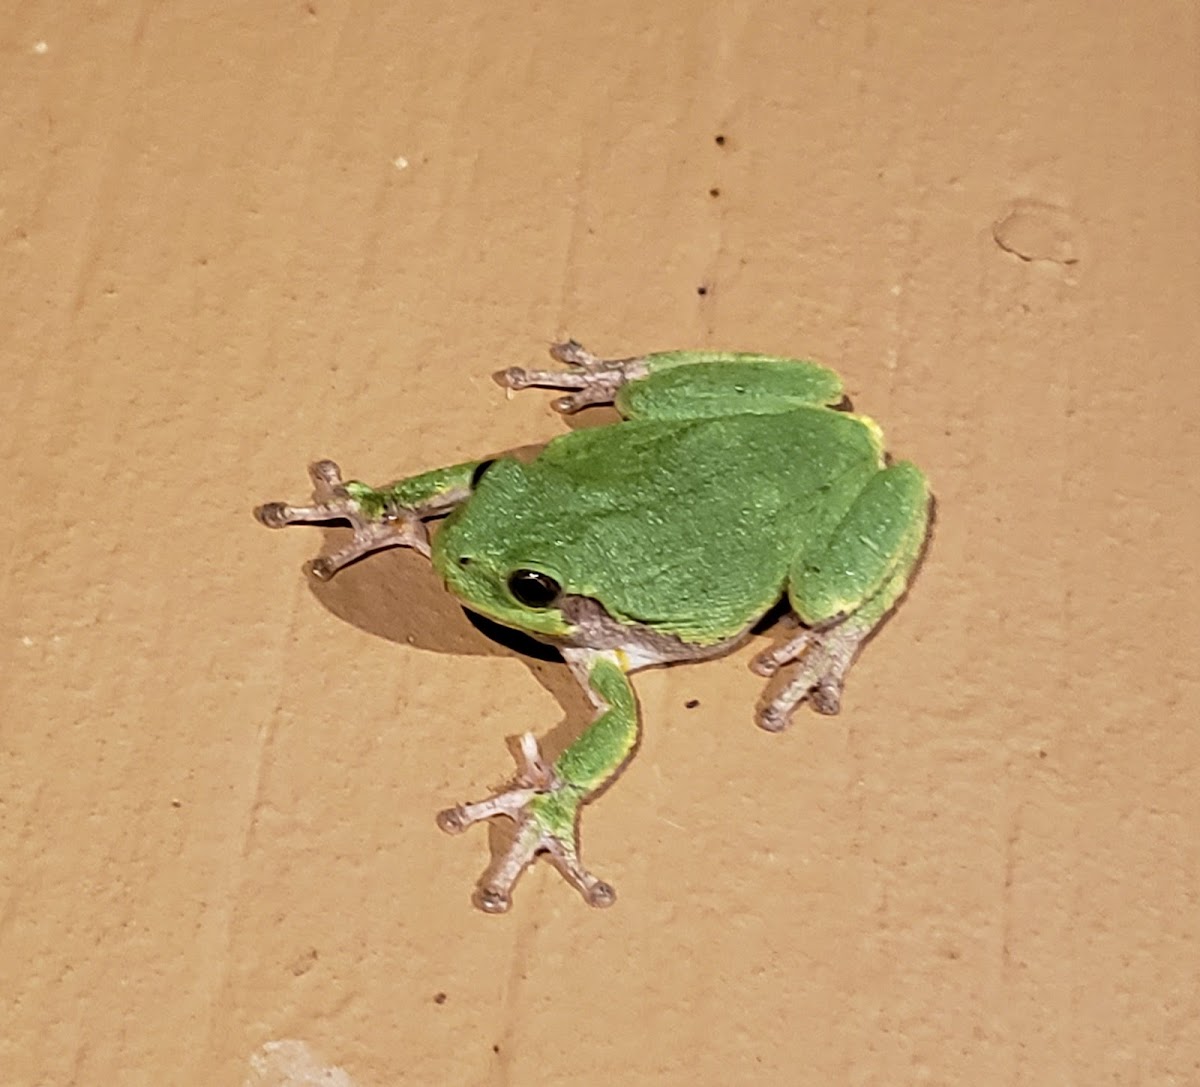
400, 162
41, 48
896, 289
26, 640
290, 1063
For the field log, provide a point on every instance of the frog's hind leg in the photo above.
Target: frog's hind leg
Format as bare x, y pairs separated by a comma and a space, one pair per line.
681, 384
545, 799
546, 814
844, 590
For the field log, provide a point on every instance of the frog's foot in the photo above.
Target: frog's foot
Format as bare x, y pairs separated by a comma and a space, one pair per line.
596, 381
388, 525
546, 812
824, 657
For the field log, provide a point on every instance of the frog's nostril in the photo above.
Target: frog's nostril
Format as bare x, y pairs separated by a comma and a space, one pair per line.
464, 560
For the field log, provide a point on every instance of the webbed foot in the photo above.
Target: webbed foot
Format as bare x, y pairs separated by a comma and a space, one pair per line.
377, 522
594, 380
546, 812
824, 657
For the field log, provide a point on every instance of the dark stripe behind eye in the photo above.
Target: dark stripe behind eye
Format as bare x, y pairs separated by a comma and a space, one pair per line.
480, 469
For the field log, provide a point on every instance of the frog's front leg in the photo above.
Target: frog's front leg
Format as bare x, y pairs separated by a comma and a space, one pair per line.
390, 516
593, 380
843, 589
680, 384
545, 800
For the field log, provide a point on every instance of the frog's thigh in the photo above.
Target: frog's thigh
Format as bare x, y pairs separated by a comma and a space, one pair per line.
865, 563
689, 385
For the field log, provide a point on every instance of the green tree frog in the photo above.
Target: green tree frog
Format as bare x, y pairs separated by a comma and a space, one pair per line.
733, 481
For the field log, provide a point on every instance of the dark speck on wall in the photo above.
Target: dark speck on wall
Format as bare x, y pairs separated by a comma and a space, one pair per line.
439, 998
691, 703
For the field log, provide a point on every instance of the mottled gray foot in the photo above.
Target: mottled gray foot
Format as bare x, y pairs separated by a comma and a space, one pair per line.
546, 812
377, 524
596, 381
824, 657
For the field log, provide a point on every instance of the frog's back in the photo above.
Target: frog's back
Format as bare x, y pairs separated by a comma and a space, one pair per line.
693, 523
784, 459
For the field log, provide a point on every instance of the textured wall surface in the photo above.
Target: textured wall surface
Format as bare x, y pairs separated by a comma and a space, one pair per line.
235, 237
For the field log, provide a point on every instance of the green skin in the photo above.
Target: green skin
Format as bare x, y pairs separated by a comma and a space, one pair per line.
732, 481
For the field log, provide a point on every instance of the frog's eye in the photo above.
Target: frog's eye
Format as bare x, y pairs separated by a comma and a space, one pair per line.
533, 588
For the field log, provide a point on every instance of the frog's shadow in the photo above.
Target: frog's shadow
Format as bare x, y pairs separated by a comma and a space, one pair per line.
395, 595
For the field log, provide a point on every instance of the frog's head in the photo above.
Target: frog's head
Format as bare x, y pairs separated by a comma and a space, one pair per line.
493, 553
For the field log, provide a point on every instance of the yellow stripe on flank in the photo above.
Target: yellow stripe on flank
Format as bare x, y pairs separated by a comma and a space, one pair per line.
875, 430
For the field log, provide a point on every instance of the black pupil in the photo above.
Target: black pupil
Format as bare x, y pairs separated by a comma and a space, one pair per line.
533, 588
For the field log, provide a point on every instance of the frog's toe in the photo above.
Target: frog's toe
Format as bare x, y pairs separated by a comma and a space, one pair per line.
823, 693
273, 514
330, 501
602, 895
769, 661
826, 696
491, 900
775, 717
573, 353
546, 813
508, 803
322, 569
493, 894
333, 500
325, 474
822, 660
